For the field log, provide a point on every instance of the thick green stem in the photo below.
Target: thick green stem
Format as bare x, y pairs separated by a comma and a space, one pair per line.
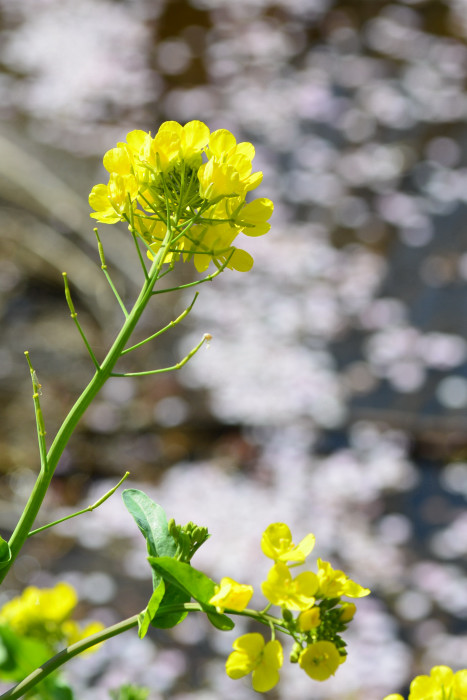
31, 509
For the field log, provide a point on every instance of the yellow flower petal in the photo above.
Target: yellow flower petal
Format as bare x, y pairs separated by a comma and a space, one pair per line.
194, 138
266, 675
117, 160
239, 260
221, 142
460, 685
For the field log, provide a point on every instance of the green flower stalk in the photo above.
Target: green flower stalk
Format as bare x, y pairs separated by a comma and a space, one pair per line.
183, 195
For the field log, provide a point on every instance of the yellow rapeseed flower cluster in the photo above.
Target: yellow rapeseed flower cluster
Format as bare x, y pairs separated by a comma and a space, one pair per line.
441, 684
184, 188
316, 597
45, 614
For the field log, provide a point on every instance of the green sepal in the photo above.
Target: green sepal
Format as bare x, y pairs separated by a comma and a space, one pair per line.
194, 584
152, 523
145, 617
5, 553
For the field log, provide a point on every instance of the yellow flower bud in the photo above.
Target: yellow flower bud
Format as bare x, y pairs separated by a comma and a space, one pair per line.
348, 611
309, 619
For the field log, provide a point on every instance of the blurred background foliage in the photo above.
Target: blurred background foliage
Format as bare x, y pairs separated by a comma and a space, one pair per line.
334, 394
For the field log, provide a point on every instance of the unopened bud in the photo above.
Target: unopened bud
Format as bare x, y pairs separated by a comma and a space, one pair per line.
295, 653
348, 611
309, 619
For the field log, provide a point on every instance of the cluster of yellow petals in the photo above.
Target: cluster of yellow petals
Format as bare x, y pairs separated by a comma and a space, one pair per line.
441, 684
191, 182
316, 597
45, 614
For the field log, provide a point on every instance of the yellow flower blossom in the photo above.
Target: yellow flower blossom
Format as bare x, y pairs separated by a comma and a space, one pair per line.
45, 614
252, 655
334, 583
441, 684
113, 201
232, 595
184, 188
277, 544
320, 660
292, 593
40, 612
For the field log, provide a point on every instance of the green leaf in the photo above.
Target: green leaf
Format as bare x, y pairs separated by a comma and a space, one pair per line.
146, 616
152, 522
5, 553
188, 583
186, 577
222, 622
20, 655
173, 597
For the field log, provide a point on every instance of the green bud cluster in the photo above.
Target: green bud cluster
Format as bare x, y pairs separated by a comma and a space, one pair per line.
188, 539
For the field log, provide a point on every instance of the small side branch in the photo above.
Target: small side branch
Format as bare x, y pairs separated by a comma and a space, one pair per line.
166, 328
107, 276
40, 426
209, 278
131, 221
205, 339
74, 316
85, 510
